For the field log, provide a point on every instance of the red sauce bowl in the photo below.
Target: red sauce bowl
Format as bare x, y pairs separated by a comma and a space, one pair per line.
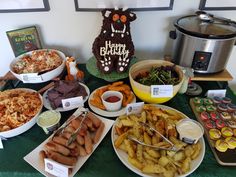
112, 100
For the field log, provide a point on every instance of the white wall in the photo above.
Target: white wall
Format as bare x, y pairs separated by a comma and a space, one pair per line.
73, 32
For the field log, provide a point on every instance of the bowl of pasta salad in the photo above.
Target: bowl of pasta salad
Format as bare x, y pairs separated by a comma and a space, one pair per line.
38, 66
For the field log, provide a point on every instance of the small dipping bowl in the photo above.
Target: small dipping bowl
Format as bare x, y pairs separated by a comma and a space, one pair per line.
49, 120
190, 131
112, 100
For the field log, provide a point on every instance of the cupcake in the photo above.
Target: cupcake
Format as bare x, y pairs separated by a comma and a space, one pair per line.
231, 107
207, 101
234, 131
214, 115
197, 101
200, 108
210, 108
234, 115
214, 134
205, 116
222, 107
226, 132
231, 141
210, 124
225, 116
216, 100
231, 123
221, 145
226, 100
220, 124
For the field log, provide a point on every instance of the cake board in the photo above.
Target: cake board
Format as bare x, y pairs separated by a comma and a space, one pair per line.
92, 68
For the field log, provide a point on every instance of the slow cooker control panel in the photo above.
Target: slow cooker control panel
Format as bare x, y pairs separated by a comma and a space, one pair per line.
201, 60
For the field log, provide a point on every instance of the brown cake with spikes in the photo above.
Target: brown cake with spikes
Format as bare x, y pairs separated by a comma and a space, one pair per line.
114, 48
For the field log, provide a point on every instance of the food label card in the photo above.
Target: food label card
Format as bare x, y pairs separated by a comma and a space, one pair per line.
1, 145
74, 102
213, 93
134, 108
32, 77
55, 168
158, 91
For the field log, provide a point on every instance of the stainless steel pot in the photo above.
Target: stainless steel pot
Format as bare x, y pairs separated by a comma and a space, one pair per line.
203, 42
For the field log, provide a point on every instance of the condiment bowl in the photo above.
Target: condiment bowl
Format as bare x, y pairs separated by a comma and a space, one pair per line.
49, 120
190, 131
144, 91
112, 100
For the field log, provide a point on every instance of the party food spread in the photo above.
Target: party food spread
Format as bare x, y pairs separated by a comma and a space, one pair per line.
39, 61
216, 115
18, 106
149, 160
113, 48
158, 141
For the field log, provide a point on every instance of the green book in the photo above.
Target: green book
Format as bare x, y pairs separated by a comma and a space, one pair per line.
24, 40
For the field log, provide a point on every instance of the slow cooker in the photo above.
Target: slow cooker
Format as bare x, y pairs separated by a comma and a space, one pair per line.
203, 42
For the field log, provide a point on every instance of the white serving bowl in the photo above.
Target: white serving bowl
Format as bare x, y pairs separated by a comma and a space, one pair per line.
45, 76
21, 129
112, 106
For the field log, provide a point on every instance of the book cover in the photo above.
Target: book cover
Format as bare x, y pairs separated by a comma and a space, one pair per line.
24, 40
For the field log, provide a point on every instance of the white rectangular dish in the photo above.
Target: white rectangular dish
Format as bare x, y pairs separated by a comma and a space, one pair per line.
33, 157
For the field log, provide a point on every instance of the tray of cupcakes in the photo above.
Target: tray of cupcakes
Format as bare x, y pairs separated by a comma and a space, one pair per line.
218, 116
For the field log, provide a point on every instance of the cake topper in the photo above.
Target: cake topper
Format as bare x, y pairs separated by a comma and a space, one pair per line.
113, 48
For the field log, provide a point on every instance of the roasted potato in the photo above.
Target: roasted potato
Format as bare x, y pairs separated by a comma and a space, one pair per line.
149, 160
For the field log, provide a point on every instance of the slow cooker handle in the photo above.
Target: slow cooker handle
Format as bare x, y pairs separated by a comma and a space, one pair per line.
173, 34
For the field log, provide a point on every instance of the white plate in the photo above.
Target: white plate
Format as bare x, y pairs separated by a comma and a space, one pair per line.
108, 113
123, 156
23, 128
46, 76
33, 157
47, 104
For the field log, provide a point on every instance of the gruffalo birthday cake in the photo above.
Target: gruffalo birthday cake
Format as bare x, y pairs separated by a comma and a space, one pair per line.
113, 48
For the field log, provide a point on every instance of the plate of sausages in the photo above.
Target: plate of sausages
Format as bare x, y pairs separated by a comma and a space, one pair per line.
91, 132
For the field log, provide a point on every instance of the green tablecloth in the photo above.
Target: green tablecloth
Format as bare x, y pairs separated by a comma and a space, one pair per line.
103, 161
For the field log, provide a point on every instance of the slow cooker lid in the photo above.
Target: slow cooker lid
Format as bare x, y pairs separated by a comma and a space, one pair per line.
216, 28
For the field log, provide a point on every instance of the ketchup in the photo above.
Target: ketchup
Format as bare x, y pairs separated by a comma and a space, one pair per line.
112, 99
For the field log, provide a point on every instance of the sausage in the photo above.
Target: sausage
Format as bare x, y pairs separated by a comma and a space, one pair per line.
88, 144
69, 129
76, 123
80, 139
96, 121
70, 161
74, 152
92, 129
66, 135
82, 131
42, 156
63, 141
52, 146
82, 151
98, 133
88, 122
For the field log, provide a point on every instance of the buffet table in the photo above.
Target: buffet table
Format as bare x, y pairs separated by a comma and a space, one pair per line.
103, 162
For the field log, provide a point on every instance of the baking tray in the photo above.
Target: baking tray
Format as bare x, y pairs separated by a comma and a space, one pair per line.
223, 158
